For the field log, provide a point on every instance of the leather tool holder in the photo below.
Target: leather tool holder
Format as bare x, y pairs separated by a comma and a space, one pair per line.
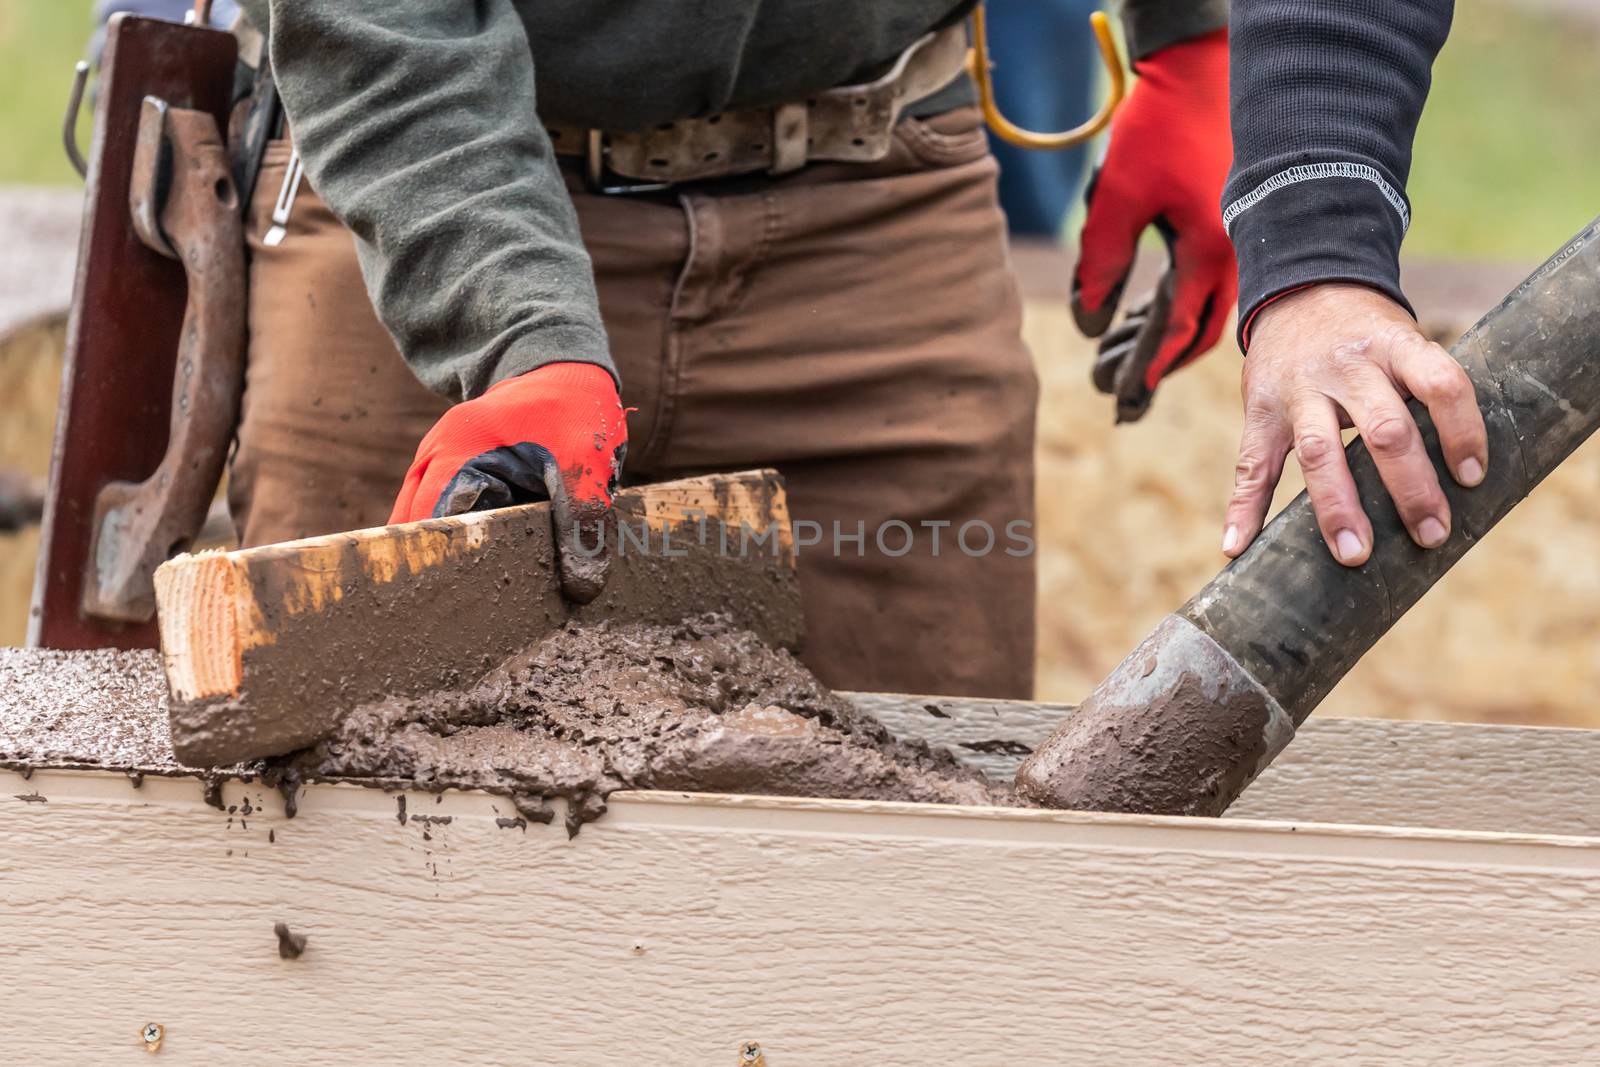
155, 339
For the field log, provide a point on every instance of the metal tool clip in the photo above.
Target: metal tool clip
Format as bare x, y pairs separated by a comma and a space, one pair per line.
286, 194
69, 125
600, 179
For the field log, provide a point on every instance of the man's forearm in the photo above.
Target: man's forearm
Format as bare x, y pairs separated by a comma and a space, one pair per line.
1325, 103
1151, 25
416, 121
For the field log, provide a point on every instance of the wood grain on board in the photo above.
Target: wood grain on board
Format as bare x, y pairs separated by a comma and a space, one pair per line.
830, 932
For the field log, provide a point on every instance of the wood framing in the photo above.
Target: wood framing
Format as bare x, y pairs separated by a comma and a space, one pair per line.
265, 647
1447, 776
1381, 772
830, 932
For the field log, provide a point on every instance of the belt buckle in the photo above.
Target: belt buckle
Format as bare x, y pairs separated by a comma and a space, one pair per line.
601, 181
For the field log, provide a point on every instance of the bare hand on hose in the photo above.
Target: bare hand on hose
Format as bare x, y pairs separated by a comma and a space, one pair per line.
1337, 355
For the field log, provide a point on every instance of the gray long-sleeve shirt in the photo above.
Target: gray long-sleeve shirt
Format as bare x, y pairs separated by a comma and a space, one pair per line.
420, 124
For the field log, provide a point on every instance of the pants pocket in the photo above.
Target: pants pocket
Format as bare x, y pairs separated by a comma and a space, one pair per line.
948, 140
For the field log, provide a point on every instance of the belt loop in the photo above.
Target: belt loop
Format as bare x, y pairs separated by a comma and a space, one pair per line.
791, 127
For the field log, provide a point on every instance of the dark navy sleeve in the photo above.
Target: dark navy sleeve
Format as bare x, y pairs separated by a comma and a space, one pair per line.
1326, 95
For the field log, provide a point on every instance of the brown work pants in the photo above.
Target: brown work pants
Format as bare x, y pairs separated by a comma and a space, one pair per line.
854, 326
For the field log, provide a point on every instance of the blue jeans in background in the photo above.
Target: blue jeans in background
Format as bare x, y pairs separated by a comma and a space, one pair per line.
1044, 76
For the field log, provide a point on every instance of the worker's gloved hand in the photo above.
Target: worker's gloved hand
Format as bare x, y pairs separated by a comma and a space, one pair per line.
556, 433
1334, 355
1165, 167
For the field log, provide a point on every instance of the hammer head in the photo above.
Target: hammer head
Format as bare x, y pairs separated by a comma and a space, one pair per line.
1179, 728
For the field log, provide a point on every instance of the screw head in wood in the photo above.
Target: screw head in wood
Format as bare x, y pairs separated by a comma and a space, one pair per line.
750, 1055
151, 1034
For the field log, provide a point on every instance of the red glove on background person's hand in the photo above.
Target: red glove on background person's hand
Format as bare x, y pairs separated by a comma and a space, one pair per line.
556, 433
1165, 167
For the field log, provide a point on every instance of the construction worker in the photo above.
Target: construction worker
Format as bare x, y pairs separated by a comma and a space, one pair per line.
774, 225
1316, 208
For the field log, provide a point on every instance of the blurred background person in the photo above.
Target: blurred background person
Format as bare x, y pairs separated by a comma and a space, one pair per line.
223, 13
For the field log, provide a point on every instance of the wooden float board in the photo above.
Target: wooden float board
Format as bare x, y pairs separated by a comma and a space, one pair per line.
832, 932
265, 648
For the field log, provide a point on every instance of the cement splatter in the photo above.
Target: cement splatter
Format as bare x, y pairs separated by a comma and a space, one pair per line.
290, 944
1179, 728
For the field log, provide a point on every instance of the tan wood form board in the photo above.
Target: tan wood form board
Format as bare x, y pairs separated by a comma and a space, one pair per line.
1456, 776
335, 620
832, 932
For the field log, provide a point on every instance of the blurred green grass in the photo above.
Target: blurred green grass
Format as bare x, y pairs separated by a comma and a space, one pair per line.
39, 42
1506, 161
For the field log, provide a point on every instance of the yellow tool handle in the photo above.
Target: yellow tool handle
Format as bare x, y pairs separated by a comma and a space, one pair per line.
978, 66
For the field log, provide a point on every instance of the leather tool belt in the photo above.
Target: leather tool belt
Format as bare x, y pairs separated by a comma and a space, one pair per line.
851, 123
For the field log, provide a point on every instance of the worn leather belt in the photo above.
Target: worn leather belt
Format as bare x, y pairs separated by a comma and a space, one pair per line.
852, 123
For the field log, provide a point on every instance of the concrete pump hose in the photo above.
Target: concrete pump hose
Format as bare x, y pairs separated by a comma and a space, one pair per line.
1206, 702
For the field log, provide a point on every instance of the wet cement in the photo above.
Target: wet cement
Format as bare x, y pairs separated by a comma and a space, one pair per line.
83, 709
1179, 728
701, 705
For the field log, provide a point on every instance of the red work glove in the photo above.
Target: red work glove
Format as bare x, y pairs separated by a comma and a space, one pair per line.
1165, 167
556, 433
